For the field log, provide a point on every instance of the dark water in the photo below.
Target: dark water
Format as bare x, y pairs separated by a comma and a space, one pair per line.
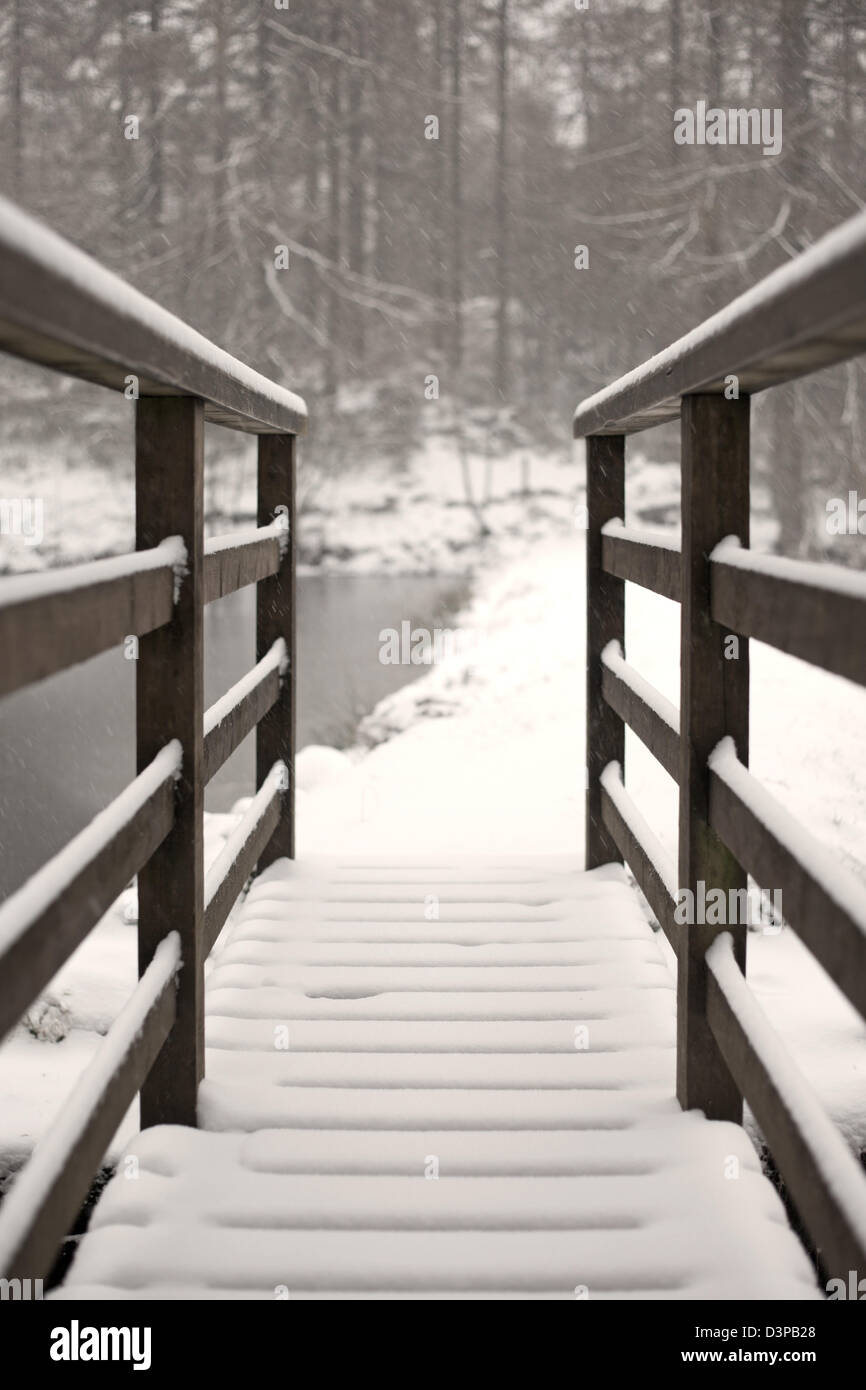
67, 744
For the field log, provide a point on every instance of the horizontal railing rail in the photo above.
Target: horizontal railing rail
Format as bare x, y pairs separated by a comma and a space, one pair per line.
60, 309
809, 314
642, 557
247, 557
51, 621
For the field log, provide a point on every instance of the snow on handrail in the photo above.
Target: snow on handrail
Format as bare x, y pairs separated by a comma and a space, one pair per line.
233, 847
26, 1200
274, 660
810, 573
815, 304
814, 859
27, 588
843, 1184
61, 308
54, 878
663, 708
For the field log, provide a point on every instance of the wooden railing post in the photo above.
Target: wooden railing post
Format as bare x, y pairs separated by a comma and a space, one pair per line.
605, 622
275, 618
169, 473
714, 701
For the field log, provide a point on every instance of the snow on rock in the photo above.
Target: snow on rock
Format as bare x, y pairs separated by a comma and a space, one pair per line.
317, 766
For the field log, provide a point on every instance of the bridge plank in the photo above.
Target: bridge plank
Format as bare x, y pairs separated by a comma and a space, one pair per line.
562, 1161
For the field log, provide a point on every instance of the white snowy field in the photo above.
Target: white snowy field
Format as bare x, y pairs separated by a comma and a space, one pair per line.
371, 521
485, 754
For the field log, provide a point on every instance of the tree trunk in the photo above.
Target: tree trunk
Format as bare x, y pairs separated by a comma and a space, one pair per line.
357, 182
503, 357
155, 192
335, 207
16, 101
456, 287
789, 471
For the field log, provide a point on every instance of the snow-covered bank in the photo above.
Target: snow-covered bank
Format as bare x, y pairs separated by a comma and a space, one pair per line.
373, 520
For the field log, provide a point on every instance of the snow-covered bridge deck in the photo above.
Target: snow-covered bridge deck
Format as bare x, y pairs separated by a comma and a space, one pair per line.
441, 1080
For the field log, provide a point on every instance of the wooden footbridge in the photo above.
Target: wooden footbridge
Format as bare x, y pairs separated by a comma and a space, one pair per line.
525, 1098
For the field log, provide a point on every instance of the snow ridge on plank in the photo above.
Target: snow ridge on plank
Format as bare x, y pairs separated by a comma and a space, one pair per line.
441, 1087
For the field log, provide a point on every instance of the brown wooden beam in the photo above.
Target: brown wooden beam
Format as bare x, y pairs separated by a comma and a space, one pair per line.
628, 556
276, 617
59, 621
605, 622
169, 477
714, 702
228, 568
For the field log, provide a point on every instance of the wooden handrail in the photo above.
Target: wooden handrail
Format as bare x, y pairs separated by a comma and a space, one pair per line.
48, 1194
654, 719
49, 622
651, 559
48, 918
824, 1178
811, 611
242, 851
805, 316
61, 309
242, 708
246, 557
825, 903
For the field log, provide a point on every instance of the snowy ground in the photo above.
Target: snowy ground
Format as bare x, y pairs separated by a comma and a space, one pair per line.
374, 521
485, 753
